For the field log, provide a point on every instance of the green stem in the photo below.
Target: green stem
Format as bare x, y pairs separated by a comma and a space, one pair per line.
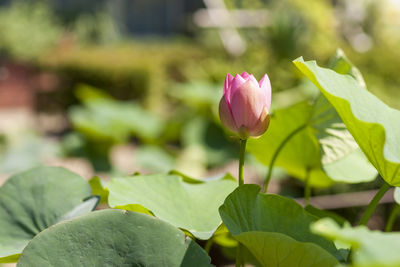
307, 188
392, 218
238, 256
209, 244
241, 160
239, 260
275, 156
374, 202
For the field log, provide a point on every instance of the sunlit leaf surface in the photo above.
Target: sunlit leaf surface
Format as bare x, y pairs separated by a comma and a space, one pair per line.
184, 202
113, 238
369, 248
373, 124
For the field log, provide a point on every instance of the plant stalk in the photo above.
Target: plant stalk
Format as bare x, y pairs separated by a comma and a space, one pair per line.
275, 156
392, 218
239, 260
209, 244
241, 160
239, 255
374, 202
307, 188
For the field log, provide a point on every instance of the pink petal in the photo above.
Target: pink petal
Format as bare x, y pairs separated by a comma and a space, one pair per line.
253, 80
262, 124
228, 81
225, 115
247, 104
265, 86
236, 83
244, 75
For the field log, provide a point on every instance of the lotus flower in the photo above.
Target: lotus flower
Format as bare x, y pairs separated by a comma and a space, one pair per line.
244, 107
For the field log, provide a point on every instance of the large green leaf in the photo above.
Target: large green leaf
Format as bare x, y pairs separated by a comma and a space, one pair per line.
247, 210
275, 249
33, 200
186, 203
113, 238
341, 157
371, 122
369, 248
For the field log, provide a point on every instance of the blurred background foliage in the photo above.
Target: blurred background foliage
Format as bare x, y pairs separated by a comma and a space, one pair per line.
106, 75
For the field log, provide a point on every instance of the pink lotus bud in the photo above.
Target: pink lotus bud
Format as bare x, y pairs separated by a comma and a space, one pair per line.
245, 104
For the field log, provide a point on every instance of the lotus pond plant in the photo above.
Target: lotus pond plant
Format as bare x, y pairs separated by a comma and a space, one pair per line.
244, 109
48, 215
